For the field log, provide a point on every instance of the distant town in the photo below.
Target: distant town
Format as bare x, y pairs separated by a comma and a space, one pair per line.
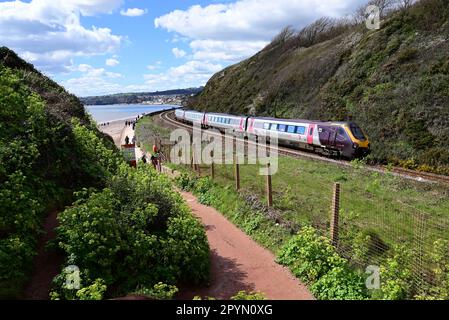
175, 97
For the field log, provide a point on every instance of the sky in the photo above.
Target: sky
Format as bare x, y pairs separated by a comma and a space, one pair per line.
97, 47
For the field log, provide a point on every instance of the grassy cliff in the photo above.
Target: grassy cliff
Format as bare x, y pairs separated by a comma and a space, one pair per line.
394, 82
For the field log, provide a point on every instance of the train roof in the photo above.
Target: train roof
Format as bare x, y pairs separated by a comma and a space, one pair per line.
301, 121
275, 119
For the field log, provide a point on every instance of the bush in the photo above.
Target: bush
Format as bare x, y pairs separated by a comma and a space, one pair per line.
340, 284
309, 256
314, 260
396, 276
160, 291
248, 296
135, 233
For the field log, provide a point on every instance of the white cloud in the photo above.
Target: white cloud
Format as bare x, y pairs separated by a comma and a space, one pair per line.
93, 81
237, 30
133, 12
112, 62
190, 74
155, 66
215, 50
49, 34
98, 81
178, 53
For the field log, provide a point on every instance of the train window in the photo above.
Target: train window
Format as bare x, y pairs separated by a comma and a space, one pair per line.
282, 128
301, 130
266, 126
357, 132
311, 131
341, 134
291, 129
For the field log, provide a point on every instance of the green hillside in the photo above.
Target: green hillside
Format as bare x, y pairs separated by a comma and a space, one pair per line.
394, 82
48, 149
125, 229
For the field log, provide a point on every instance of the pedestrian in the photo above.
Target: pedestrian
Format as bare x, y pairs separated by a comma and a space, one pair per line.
127, 140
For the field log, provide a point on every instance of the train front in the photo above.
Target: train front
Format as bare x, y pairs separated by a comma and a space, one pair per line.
360, 145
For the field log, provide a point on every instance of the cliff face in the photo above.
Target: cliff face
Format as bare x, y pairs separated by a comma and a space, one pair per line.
394, 82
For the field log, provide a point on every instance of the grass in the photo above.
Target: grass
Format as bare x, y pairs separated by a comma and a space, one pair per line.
148, 132
383, 203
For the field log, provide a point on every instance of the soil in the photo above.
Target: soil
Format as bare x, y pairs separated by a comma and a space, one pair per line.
47, 263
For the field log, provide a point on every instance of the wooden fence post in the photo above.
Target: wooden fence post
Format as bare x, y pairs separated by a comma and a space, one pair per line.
269, 186
191, 157
237, 173
335, 214
212, 168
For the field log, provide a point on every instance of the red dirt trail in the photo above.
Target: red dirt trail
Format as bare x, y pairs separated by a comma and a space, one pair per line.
239, 263
47, 263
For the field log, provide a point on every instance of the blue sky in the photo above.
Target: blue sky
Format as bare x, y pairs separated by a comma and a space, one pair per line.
95, 47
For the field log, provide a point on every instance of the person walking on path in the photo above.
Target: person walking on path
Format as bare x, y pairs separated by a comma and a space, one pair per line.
127, 140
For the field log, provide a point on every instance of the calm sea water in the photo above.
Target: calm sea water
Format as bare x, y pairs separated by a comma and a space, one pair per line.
123, 111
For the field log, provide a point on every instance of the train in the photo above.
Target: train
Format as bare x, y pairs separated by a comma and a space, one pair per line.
335, 139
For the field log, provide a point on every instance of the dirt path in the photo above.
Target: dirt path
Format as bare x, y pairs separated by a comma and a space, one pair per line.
238, 263
47, 263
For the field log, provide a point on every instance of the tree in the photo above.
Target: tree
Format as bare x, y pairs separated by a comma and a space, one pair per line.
283, 36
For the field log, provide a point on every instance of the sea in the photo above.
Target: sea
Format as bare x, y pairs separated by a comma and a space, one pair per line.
109, 113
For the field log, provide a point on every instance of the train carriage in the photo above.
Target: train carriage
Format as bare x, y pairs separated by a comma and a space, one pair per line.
179, 114
344, 139
194, 117
225, 122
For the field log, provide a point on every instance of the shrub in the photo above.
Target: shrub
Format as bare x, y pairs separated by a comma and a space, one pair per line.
160, 291
309, 256
396, 276
135, 233
248, 296
340, 284
314, 260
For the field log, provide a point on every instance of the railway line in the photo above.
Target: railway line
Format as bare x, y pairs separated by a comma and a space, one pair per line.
424, 177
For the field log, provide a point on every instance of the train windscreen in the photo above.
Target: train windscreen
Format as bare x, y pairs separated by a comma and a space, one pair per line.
357, 132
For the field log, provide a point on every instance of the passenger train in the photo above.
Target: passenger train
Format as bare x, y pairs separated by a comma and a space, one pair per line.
340, 139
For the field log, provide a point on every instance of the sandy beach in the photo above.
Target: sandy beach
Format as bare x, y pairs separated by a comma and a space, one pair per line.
118, 130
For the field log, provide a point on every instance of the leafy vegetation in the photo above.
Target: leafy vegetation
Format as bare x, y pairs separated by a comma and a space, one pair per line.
42, 143
313, 259
393, 82
133, 235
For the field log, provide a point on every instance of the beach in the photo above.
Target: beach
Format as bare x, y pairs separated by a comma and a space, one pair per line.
118, 130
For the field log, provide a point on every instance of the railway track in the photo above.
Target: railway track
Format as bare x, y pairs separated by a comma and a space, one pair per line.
168, 117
